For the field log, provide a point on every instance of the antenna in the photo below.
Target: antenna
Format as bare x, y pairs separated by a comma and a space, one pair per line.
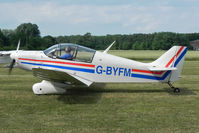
105, 51
18, 45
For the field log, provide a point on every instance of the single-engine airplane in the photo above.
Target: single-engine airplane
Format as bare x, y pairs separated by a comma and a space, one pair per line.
87, 66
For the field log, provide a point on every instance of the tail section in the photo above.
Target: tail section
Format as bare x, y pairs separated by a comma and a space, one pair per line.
173, 58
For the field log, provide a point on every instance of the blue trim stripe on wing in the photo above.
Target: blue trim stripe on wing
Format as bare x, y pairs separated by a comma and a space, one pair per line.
62, 67
165, 75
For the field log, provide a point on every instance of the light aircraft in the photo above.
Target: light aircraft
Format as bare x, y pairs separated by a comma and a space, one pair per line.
87, 66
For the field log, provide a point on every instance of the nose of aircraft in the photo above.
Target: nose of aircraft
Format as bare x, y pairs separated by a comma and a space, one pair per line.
14, 55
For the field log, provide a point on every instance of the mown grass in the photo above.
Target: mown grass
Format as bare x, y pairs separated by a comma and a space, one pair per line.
118, 108
150, 54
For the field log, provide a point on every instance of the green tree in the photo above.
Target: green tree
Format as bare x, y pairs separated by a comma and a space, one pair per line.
138, 45
7, 32
34, 43
62, 39
86, 40
47, 41
26, 31
3, 40
1, 44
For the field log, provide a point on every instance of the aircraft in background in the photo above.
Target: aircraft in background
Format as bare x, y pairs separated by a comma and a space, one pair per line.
5, 55
87, 66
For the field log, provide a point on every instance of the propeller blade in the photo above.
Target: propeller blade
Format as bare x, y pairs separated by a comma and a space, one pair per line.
11, 66
13, 61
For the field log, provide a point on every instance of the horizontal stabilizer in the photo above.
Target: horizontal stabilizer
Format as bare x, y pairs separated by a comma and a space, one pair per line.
5, 59
162, 68
4, 53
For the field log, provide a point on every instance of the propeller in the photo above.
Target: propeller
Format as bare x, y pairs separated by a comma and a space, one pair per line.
11, 66
13, 59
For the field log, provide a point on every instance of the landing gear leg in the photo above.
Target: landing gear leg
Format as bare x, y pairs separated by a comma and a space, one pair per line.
175, 90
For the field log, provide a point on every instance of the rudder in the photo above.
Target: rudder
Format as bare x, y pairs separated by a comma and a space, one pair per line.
174, 57
175, 75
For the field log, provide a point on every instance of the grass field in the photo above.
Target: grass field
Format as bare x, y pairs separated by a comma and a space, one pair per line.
150, 54
116, 108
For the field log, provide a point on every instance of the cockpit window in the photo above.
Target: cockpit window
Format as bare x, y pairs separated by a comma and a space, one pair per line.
67, 51
84, 54
51, 51
70, 51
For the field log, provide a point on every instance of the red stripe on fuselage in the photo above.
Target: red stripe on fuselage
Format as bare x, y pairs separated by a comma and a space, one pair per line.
159, 72
145, 71
59, 62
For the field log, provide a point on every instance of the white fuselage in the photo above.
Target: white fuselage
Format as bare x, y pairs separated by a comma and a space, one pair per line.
104, 68
90, 66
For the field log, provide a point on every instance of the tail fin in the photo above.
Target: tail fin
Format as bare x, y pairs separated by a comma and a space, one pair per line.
173, 58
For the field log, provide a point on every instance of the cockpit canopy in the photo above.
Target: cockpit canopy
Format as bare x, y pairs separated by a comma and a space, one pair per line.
77, 52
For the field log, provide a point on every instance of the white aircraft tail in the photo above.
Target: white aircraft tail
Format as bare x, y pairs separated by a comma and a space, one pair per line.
172, 62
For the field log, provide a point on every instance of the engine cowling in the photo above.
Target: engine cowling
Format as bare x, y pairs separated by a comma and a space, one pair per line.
46, 87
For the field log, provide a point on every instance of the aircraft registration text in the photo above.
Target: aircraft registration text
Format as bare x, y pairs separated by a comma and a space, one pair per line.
116, 71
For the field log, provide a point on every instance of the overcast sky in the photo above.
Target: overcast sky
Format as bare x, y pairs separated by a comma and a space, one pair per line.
101, 17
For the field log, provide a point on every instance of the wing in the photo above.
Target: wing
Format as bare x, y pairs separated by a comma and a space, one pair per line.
4, 53
5, 56
4, 59
60, 77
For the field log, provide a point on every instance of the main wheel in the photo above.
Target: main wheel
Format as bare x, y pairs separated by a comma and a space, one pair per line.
176, 90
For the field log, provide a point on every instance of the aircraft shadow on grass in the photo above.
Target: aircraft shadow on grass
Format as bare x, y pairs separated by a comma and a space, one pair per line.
80, 96
183, 92
93, 95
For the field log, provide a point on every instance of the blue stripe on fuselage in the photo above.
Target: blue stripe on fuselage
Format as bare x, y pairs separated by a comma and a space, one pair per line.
62, 67
150, 77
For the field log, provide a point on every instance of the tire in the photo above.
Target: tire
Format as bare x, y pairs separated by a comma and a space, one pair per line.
176, 90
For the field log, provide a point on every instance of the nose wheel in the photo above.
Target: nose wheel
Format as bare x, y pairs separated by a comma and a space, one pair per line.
175, 90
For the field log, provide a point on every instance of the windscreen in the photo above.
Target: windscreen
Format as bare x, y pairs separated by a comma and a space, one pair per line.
76, 52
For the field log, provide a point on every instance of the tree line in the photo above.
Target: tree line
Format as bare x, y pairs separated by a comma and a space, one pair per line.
31, 39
